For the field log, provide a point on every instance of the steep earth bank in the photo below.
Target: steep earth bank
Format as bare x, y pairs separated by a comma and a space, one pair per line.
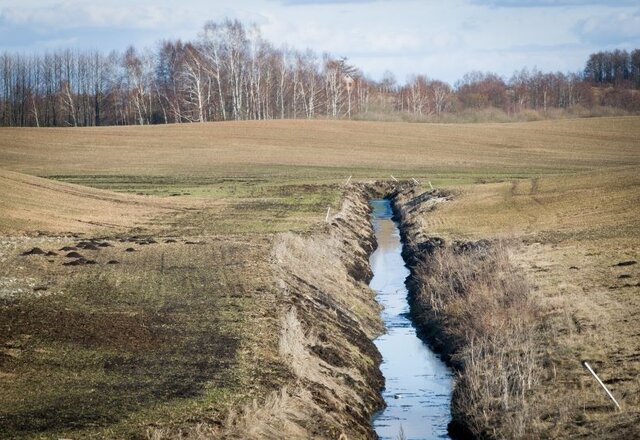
474, 307
329, 318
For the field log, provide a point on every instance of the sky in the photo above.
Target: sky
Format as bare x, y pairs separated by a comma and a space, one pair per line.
441, 39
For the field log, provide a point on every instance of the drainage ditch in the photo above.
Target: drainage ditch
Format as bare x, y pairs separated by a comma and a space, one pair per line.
418, 384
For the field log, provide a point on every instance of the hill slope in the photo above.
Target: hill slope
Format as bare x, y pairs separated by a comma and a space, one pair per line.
35, 204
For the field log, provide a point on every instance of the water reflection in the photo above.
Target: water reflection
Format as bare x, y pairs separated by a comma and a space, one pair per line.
418, 383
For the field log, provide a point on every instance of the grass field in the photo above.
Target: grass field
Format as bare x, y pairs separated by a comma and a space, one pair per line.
181, 327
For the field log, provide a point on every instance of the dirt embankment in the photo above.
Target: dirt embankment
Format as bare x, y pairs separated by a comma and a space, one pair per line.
518, 367
329, 318
475, 308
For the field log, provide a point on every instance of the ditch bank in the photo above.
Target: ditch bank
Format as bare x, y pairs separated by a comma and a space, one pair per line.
476, 310
329, 318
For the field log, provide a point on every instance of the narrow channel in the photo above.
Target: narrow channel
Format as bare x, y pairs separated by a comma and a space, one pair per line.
417, 382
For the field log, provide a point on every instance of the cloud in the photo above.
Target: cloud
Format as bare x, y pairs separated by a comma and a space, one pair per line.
551, 3
623, 27
441, 39
324, 2
75, 14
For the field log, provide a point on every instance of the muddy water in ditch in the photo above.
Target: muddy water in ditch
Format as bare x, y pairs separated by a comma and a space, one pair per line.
417, 383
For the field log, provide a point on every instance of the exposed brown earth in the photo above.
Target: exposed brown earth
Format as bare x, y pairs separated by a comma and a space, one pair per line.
274, 148
32, 204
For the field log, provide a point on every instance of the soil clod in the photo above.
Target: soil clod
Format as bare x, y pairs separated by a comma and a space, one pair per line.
34, 251
626, 263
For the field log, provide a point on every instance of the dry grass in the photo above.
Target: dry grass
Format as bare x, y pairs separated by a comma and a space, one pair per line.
567, 234
597, 204
32, 204
331, 318
489, 325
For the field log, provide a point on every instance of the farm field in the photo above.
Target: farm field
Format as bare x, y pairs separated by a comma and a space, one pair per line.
182, 327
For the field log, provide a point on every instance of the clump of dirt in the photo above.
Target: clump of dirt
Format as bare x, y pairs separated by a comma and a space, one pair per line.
68, 248
130, 250
74, 255
33, 251
51, 254
625, 263
113, 262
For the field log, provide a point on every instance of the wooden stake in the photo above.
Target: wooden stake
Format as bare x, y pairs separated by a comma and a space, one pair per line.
326, 219
602, 384
430, 185
394, 178
417, 183
348, 180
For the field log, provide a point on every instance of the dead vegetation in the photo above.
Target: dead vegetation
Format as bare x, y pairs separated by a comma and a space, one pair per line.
479, 310
328, 325
517, 316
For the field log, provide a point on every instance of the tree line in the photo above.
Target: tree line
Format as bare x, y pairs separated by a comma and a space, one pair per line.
617, 67
230, 72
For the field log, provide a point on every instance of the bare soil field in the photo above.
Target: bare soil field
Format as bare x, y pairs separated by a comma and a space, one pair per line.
156, 304
323, 149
